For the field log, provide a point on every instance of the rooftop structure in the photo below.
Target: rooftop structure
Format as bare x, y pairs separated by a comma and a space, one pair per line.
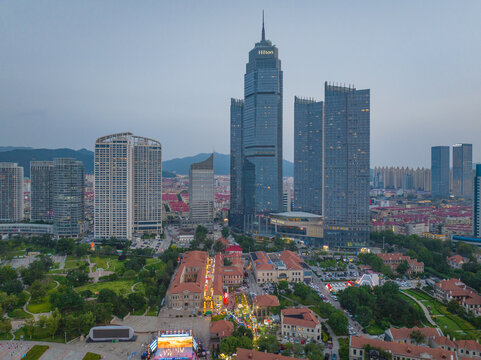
274, 267
398, 350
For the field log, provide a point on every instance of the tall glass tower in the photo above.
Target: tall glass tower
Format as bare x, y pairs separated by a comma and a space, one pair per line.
68, 197
463, 170
440, 171
41, 190
477, 203
262, 130
201, 192
346, 166
308, 155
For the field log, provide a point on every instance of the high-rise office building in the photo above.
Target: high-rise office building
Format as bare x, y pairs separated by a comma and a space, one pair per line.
440, 171
68, 197
41, 191
128, 186
201, 191
236, 212
477, 203
346, 166
463, 170
11, 192
308, 155
262, 130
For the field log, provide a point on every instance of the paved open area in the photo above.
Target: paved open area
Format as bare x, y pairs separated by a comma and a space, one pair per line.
15, 350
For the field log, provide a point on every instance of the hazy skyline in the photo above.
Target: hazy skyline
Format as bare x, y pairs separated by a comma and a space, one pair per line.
71, 72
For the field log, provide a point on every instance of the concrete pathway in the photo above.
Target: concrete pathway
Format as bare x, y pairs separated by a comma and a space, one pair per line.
426, 311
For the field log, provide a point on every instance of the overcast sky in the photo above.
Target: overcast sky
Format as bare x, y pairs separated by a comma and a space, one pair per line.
72, 71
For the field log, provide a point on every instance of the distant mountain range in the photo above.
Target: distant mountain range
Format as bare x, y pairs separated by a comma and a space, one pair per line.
221, 164
179, 166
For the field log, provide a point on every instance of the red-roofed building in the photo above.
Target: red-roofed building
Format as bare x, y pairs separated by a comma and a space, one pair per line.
457, 261
399, 351
393, 260
262, 304
186, 290
275, 267
234, 250
246, 354
455, 289
300, 323
221, 329
403, 335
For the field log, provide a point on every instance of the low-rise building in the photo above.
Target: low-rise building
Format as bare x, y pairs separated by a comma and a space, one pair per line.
221, 329
298, 225
187, 288
457, 261
262, 304
455, 289
403, 335
275, 267
300, 323
26, 229
393, 260
399, 351
246, 354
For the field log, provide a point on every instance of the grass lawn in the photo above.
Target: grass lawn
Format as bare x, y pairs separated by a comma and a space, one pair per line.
92, 356
101, 261
155, 265
40, 335
6, 336
119, 286
35, 352
140, 311
418, 294
139, 287
115, 265
457, 327
374, 330
41, 305
151, 260
449, 323
74, 261
19, 314
152, 312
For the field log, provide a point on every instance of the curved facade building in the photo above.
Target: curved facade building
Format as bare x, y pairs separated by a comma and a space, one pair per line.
128, 186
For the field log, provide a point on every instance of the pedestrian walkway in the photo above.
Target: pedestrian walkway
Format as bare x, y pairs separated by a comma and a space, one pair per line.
13, 350
426, 312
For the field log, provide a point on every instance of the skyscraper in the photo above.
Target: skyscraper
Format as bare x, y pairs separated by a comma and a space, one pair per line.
11, 192
346, 166
201, 191
147, 196
308, 155
128, 186
68, 197
236, 199
463, 170
41, 190
262, 131
440, 171
477, 203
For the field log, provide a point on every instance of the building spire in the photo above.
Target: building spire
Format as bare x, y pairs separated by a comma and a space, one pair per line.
263, 30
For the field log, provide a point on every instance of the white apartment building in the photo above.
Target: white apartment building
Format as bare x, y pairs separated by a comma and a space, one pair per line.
128, 186
11, 192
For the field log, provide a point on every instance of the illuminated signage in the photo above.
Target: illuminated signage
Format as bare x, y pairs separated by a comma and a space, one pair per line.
153, 346
265, 52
